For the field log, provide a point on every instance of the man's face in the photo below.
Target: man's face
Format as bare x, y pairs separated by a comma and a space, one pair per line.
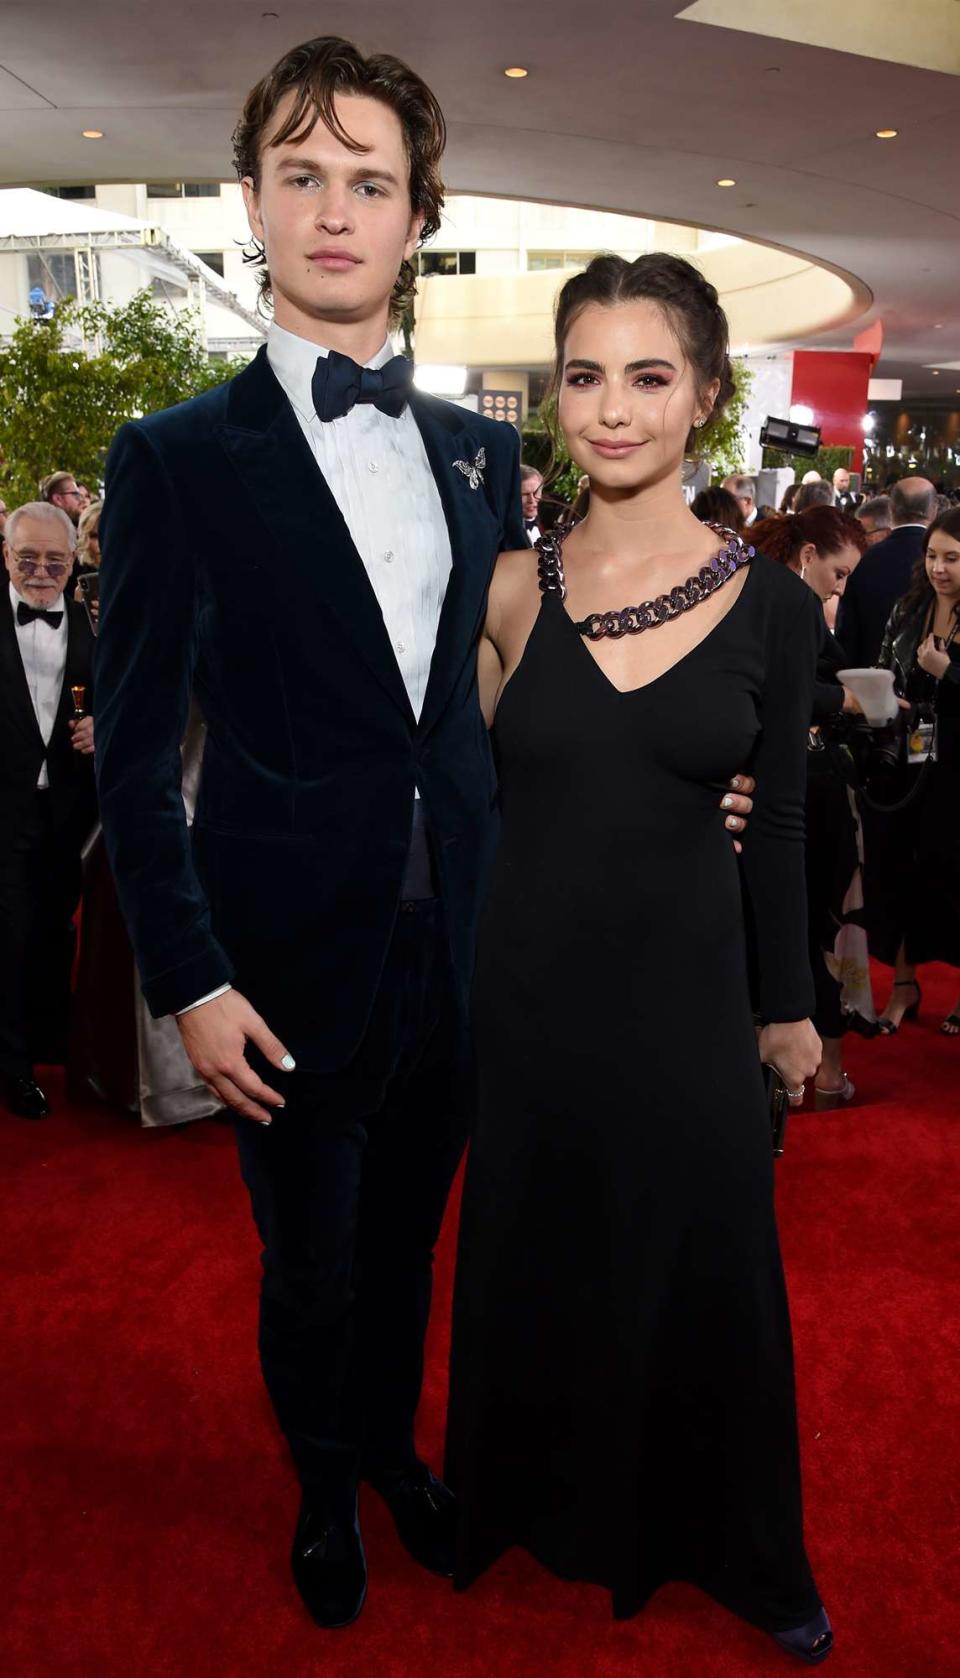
531, 490
69, 497
336, 224
745, 502
40, 562
841, 481
84, 495
875, 533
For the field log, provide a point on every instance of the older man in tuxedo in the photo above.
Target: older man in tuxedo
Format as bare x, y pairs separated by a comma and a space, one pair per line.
48, 805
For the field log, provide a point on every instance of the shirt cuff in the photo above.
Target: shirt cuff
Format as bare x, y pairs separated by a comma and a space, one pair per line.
220, 991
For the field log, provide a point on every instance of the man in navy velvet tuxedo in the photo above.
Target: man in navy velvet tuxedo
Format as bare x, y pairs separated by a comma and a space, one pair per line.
318, 581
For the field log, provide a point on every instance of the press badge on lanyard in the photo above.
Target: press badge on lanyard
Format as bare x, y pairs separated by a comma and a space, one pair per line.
921, 743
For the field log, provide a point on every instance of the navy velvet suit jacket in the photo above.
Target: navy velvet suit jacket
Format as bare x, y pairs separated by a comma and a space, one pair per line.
229, 572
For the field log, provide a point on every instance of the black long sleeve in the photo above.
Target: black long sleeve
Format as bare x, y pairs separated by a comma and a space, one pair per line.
773, 850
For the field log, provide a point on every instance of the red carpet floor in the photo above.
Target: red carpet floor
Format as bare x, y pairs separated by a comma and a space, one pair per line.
148, 1503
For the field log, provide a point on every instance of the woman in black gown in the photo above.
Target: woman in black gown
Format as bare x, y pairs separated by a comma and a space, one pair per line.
622, 1395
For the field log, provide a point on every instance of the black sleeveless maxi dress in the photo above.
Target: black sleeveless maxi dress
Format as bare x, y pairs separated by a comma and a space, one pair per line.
622, 1388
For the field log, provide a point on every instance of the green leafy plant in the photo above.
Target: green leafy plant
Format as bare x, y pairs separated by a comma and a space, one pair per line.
825, 461
724, 443
60, 407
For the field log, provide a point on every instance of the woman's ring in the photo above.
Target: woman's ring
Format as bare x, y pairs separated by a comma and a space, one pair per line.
796, 1095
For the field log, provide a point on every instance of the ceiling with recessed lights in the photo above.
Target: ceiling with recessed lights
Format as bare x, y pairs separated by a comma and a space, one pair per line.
644, 107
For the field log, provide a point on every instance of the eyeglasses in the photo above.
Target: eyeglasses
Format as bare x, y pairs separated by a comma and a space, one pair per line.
30, 563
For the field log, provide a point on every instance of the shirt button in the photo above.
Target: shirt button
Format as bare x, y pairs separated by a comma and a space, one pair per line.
372, 466
388, 556
401, 647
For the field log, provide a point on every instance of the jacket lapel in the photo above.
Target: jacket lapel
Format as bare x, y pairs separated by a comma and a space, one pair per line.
13, 680
474, 536
308, 532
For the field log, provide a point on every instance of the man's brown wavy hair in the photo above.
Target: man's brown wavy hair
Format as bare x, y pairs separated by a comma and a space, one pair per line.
315, 73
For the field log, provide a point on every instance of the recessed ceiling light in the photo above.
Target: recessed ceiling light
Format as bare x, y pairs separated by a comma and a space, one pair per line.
727, 181
936, 372
938, 326
887, 133
93, 133
516, 72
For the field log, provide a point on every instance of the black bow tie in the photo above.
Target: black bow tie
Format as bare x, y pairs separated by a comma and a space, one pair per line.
26, 614
339, 383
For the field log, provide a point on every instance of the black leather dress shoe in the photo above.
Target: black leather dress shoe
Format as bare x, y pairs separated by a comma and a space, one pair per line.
812, 1642
25, 1098
425, 1513
329, 1567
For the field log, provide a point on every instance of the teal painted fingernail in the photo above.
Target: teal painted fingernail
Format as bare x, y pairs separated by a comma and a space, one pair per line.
288, 1063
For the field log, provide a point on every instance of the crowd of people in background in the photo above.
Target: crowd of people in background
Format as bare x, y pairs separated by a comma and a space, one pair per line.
881, 810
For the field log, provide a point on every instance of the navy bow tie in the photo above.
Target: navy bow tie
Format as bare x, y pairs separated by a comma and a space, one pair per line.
339, 383
26, 614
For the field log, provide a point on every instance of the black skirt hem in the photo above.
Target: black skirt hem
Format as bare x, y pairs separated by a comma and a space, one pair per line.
626, 1604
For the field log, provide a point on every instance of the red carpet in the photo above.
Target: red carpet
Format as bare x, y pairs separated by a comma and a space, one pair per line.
148, 1503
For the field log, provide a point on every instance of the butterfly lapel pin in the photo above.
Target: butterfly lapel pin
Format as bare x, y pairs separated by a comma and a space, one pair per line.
473, 470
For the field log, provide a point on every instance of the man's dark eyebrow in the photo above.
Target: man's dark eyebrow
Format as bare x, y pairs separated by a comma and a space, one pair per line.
631, 367
312, 167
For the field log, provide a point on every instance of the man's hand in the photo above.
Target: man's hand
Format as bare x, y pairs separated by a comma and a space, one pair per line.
738, 804
82, 732
214, 1036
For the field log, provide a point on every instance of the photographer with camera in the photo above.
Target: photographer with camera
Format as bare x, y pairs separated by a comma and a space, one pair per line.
912, 892
824, 547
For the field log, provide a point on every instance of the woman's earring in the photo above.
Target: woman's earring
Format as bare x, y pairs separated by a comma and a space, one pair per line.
699, 422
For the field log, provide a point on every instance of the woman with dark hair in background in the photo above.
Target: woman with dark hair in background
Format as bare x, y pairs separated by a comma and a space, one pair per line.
622, 1398
913, 877
718, 507
823, 546
788, 497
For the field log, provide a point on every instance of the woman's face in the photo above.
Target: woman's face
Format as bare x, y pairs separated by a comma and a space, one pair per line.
93, 547
627, 396
943, 565
827, 574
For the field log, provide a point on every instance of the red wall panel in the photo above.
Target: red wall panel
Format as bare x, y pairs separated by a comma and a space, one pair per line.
834, 383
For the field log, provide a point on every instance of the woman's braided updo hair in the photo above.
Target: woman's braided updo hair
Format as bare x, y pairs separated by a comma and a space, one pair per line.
688, 300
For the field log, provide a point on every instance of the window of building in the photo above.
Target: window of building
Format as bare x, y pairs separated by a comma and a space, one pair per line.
213, 259
183, 189
537, 261
70, 191
445, 262
54, 272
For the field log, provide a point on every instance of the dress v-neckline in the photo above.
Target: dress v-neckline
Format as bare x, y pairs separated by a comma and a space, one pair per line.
627, 693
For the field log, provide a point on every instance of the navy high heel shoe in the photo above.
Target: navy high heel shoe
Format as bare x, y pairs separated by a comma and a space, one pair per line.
811, 1643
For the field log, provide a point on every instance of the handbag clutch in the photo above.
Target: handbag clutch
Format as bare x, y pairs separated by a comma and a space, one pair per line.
777, 1107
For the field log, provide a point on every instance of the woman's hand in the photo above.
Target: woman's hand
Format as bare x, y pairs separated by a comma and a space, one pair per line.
794, 1048
931, 659
851, 702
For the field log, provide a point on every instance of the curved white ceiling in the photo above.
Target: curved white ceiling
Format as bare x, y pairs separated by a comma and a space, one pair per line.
627, 107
